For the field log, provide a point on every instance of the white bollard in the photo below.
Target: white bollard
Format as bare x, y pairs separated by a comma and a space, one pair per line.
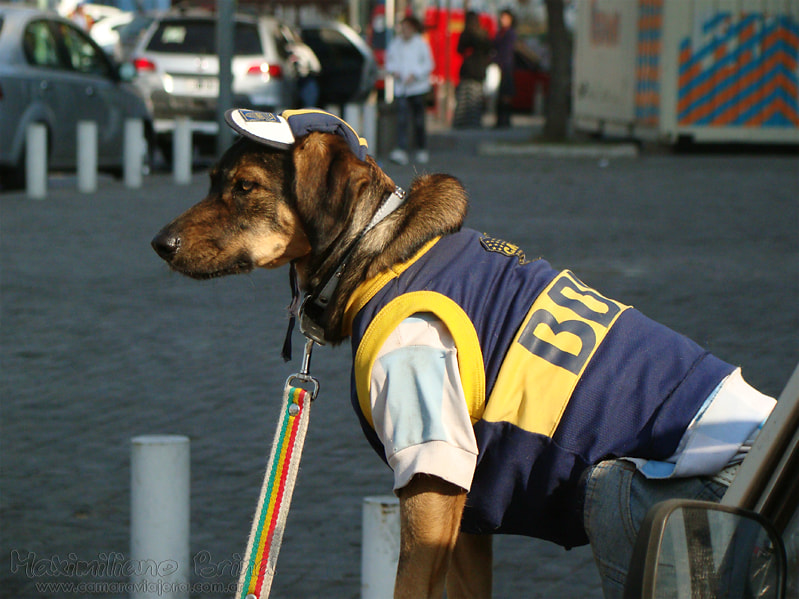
133, 153
380, 546
159, 517
369, 126
36, 161
87, 156
352, 114
182, 151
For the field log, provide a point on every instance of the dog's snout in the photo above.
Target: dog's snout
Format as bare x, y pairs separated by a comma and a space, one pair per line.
166, 244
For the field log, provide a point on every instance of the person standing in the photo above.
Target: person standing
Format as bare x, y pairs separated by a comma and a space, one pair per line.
81, 18
474, 46
307, 68
504, 44
409, 61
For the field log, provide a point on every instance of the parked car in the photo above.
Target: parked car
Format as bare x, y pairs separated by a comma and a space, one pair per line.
51, 72
178, 68
131, 33
106, 33
349, 68
747, 546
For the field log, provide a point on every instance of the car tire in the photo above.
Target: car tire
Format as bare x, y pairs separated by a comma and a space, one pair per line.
13, 177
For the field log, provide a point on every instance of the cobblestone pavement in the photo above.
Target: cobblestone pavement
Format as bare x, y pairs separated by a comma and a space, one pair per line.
100, 343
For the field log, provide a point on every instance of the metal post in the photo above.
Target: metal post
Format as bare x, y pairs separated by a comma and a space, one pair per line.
352, 114
36, 161
159, 517
87, 156
391, 18
380, 546
225, 24
369, 126
133, 153
182, 150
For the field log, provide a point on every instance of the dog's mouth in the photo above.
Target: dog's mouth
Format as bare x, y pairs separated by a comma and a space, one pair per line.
240, 266
199, 264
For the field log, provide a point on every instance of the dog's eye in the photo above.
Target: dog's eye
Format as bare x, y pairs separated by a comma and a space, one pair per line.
245, 185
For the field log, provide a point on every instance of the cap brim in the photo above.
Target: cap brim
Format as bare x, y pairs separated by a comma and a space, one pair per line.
263, 127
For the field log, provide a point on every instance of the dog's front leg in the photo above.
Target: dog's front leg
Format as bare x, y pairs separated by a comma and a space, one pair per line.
470, 572
430, 517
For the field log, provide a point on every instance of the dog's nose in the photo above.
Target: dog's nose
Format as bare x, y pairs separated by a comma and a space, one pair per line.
166, 244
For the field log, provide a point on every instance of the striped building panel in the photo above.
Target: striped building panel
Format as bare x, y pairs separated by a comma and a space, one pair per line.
650, 36
742, 71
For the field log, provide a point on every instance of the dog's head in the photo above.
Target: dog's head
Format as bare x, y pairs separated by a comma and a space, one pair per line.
267, 206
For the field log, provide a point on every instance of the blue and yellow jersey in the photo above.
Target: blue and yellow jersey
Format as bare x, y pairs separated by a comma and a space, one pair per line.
556, 376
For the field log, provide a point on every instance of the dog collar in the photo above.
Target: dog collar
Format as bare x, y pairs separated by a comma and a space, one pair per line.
316, 301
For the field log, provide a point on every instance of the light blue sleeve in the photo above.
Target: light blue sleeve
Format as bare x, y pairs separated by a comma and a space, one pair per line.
414, 391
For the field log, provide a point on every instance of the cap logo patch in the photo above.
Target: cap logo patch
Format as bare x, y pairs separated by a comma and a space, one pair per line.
255, 116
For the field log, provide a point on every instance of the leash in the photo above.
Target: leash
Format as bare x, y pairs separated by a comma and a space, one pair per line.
266, 536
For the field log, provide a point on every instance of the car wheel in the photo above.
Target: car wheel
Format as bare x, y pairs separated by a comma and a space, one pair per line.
13, 177
164, 144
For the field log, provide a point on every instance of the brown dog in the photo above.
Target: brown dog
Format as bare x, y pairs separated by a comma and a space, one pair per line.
266, 208
535, 392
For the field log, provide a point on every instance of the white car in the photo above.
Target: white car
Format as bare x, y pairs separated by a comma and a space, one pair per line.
106, 33
178, 68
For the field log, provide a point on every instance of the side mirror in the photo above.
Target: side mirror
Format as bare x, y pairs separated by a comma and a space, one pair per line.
126, 71
703, 550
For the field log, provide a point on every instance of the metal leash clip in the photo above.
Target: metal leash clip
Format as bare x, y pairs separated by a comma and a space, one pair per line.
303, 377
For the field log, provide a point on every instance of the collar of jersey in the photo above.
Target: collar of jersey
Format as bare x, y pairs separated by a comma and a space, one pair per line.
364, 293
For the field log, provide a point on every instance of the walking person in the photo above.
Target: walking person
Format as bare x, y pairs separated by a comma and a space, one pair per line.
409, 61
504, 44
474, 46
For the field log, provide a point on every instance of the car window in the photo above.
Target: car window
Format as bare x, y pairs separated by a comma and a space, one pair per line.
83, 56
247, 40
199, 37
40, 46
333, 45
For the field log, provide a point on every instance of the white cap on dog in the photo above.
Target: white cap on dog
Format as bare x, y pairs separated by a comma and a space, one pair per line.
263, 127
281, 130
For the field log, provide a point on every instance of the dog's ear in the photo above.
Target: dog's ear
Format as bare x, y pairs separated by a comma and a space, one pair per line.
329, 183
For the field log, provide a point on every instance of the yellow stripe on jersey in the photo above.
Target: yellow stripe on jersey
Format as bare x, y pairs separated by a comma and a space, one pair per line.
559, 336
470, 357
364, 293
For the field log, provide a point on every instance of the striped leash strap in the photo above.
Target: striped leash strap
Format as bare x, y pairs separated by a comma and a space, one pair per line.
260, 560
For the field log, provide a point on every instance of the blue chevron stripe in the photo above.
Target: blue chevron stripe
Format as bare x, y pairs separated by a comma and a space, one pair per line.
759, 107
738, 98
715, 21
732, 58
771, 26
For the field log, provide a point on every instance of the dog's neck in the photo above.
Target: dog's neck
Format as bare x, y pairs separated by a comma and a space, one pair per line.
320, 295
435, 205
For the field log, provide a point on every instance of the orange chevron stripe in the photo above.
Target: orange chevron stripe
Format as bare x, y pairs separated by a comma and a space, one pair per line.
778, 106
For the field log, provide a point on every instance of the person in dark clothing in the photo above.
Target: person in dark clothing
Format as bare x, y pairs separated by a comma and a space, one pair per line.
504, 44
474, 46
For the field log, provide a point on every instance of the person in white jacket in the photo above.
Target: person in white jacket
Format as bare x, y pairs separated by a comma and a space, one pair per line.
409, 62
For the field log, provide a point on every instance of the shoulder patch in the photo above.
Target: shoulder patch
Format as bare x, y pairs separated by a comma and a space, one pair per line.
503, 247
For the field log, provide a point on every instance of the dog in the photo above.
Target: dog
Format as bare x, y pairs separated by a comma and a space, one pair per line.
552, 378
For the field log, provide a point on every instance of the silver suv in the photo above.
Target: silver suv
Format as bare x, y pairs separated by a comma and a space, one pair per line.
178, 67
